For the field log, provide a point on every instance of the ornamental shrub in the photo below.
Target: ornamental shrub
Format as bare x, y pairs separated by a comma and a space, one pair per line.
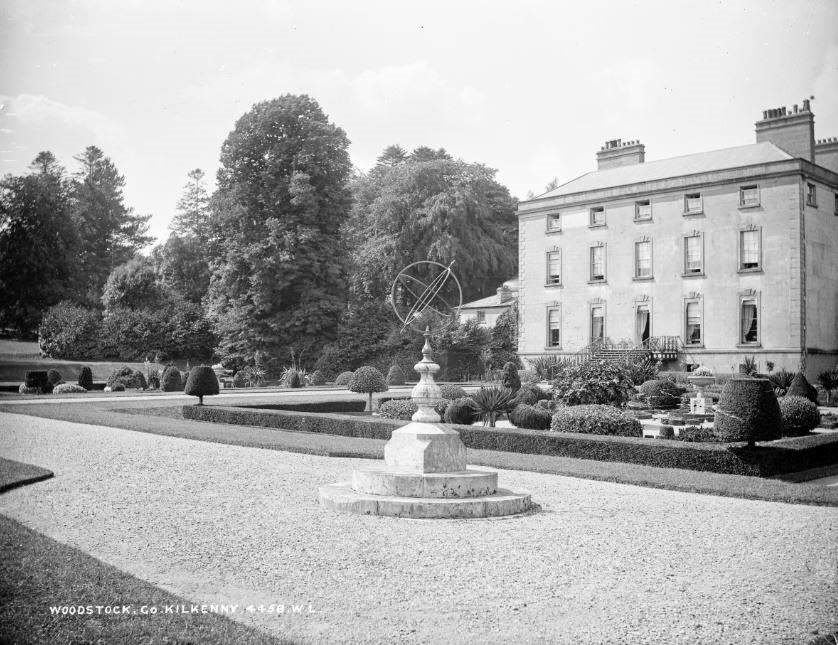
801, 387
666, 432
530, 395
395, 376
593, 382
662, 394
54, 377
450, 392
595, 419
510, 379
641, 371
748, 411
398, 409
800, 415
292, 378
129, 378
344, 378
696, 434
171, 379
318, 378
25, 389
202, 382
367, 380
530, 417
491, 402
154, 379
781, 380
38, 379
68, 388
70, 331
461, 411
86, 378
240, 379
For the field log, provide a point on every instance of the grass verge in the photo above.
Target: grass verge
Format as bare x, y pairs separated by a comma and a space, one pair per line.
16, 473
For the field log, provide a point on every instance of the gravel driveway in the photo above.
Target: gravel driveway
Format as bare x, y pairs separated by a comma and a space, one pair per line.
602, 563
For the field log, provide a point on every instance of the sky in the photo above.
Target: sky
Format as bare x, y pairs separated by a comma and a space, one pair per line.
532, 89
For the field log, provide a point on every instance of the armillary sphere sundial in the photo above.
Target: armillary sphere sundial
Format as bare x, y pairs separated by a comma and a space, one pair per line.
425, 473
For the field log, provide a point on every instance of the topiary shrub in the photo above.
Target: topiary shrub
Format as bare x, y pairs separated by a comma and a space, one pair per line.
748, 411
595, 419
317, 378
530, 417
395, 376
38, 380
344, 378
696, 434
593, 382
202, 382
662, 394
801, 387
25, 389
240, 379
171, 379
86, 378
510, 379
800, 415
530, 395
402, 409
54, 377
129, 378
450, 392
666, 432
367, 380
68, 388
461, 411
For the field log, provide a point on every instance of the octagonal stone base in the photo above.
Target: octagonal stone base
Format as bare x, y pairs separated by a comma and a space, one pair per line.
382, 481
425, 448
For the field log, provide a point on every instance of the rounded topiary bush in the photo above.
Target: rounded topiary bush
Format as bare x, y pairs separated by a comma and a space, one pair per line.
86, 378
240, 379
801, 387
510, 378
38, 380
172, 381
530, 394
202, 382
344, 378
402, 409
54, 377
800, 415
595, 419
68, 388
461, 411
450, 392
530, 417
116, 387
662, 394
395, 376
748, 411
128, 378
367, 380
317, 378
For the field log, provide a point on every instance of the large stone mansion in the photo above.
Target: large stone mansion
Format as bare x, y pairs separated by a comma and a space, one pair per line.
702, 259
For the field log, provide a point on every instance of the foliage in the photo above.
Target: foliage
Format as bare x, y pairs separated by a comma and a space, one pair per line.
530, 417
529, 377
491, 402
510, 379
292, 378
344, 378
781, 380
154, 379
503, 346
461, 411
317, 378
697, 434
362, 337
182, 267
547, 366
800, 415
828, 380
133, 285
38, 379
54, 377
595, 419
451, 391
172, 381
129, 378
69, 331
68, 388
116, 387
748, 411
240, 379
662, 394
395, 376
530, 395
86, 378
701, 370
202, 382
367, 379
749, 366
641, 371
593, 382
26, 389
801, 387
193, 211
667, 432
398, 409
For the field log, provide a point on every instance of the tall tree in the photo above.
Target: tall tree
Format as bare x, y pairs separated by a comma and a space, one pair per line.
424, 153
183, 266
391, 156
38, 244
278, 267
193, 212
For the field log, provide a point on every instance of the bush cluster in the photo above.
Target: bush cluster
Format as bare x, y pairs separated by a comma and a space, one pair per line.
317, 378
800, 415
748, 411
402, 409
696, 434
449, 391
530, 394
461, 411
595, 419
344, 378
395, 376
530, 417
68, 388
661, 394
128, 378
27, 389
593, 382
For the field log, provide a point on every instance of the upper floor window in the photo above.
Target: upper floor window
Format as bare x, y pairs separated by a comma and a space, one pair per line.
693, 255
597, 216
554, 327
597, 263
481, 316
811, 195
554, 222
693, 204
643, 259
749, 250
642, 209
692, 316
554, 267
749, 195
749, 321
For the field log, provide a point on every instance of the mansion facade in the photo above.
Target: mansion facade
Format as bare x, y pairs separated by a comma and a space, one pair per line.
703, 259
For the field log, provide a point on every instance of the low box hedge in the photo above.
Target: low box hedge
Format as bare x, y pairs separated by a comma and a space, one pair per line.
783, 456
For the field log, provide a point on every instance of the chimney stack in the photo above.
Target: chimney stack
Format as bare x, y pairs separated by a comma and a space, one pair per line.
792, 131
617, 153
504, 294
826, 153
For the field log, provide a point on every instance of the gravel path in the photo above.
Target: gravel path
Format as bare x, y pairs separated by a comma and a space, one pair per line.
601, 563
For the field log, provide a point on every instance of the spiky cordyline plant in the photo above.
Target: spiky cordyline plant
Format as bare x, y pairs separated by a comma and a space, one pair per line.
491, 402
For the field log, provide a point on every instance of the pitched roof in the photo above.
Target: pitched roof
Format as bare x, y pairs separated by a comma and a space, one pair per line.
750, 155
491, 301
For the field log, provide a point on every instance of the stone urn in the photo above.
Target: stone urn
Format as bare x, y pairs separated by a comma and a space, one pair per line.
701, 403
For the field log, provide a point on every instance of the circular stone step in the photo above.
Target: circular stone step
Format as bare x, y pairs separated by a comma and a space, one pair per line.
468, 483
341, 497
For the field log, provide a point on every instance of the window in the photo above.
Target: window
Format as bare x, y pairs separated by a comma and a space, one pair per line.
749, 250
693, 255
643, 259
554, 327
597, 323
836, 203
749, 196
642, 210
598, 216
597, 264
554, 267
692, 315
693, 204
642, 322
811, 195
554, 222
481, 316
749, 333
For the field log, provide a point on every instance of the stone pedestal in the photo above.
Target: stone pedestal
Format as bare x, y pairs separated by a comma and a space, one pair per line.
701, 405
424, 473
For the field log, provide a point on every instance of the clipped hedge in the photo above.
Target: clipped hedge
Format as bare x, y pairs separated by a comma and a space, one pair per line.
800, 415
595, 419
783, 456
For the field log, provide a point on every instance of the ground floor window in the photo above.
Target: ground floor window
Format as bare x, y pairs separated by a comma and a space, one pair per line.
597, 323
481, 316
692, 314
749, 321
642, 324
554, 327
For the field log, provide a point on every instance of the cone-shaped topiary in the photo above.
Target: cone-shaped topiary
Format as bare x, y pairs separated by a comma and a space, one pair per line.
367, 380
801, 387
54, 377
461, 411
510, 379
395, 376
800, 415
171, 379
748, 411
202, 382
344, 378
317, 378
86, 378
